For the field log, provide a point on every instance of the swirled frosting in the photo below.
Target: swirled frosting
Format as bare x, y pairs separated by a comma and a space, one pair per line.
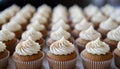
62, 47
58, 34
24, 14
83, 25
89, 34
15, 8
2, 20
31, 33
108, 24
36, 25
28, 47
98, 18
12, 26
29, 8
2, 46
59, 24
6, 35
97, 47
118, 45
114, 34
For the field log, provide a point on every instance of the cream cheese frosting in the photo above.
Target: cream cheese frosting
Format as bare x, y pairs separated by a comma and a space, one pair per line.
62, 47
58, 34
2, 46
29, 8
114, 34
98, 18
59, 24
2, 19
83, 25
31, 33
97, 47
118, 45
6, 35
12, 26
109, 24
89, 34
36, 25
27, 48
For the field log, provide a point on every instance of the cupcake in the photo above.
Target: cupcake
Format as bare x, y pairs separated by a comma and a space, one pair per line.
62, 24
85, 37
27, 55
90, 11
9, 39
13, 27
113, 38
4, 55
116, 54
96, 55
106, 26
34, 35
97, 19
38, 27
62, 55
83, 25
57, 35
107, 10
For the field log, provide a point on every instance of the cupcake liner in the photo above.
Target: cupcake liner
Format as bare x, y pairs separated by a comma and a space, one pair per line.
89, 64
36, 64
70, 64
4, 61
117, 60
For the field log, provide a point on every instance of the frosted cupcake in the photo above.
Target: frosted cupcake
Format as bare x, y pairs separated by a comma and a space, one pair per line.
85, 37
116, 53
4, 55
83, 25
27, 55
112, 38
96, 55
97, 19
106, 26
34, 35
13, 27
57, 35
9, 39
62, 55
38, 27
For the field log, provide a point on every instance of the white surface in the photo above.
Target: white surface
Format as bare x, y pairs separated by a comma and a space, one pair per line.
46, 66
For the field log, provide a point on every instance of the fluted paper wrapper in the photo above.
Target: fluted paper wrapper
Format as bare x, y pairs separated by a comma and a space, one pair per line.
89, 64
36, 64
4, 61
62, 64
117, 60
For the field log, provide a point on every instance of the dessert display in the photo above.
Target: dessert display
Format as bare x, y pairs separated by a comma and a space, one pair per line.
63, 33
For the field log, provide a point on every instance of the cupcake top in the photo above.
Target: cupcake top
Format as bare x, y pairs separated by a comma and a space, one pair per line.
60, 7
83, 25
75, 8
108, 24
116, 16
19, 19
91, 10
27, 48
59, 24
31, 33
98, 18
108, 10
114, 34
12, 26
15, 8
118, 45
97, 47
89, 34
58, 34
62, 47
6, 35
2, 46
36, 25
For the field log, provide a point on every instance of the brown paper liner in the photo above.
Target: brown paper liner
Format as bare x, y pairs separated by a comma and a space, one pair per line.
89, 64
70, 64
4, 61
36, 64
117, 60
